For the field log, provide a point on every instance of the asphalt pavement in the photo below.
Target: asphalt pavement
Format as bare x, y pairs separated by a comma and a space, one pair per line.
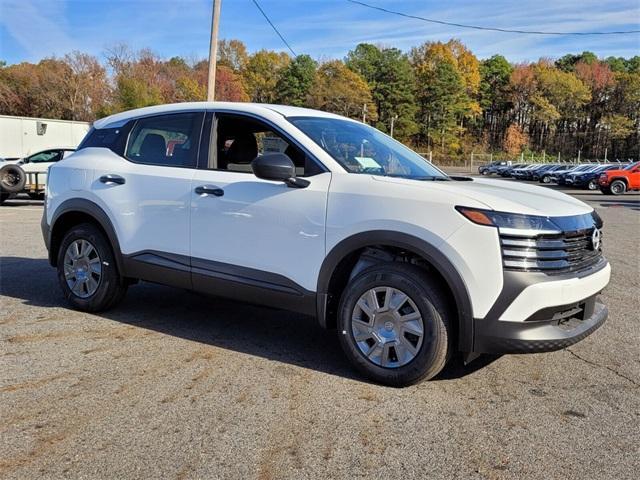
171, 384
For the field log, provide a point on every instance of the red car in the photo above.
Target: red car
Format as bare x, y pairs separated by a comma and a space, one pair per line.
616, 182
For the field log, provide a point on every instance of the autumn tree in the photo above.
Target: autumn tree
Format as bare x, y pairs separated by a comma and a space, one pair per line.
340, 90
86, 87
229, 87
514, 140
261, 75
232, 54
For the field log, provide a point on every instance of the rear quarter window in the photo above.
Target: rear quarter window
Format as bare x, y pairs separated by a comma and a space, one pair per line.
103, 137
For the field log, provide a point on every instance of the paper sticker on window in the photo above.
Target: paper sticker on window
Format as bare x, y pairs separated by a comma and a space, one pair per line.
367, 162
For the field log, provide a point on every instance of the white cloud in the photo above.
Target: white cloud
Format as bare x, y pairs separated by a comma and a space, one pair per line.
40, 29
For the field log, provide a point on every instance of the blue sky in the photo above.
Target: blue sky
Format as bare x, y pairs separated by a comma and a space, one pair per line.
34, 29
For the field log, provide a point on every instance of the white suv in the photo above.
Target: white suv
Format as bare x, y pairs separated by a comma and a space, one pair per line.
312, 212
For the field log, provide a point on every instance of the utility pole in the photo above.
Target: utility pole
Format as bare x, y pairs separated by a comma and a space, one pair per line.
393, 119
213, 51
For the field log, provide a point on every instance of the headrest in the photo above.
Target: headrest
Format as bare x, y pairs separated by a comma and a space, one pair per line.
153, 145
243, 149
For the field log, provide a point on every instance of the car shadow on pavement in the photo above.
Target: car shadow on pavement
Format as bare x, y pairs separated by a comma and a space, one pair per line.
255, 330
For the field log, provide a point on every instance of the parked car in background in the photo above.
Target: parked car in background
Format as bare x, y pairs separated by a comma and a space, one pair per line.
537, 173
551, 175
560, 176
492, 167
507, 171
587, 179
523, 173
621, 180
29, 174
449, 264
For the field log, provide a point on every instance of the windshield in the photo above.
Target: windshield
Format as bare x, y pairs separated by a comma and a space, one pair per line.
363, 149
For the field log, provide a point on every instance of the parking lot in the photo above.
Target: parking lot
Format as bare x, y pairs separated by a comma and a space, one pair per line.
176, 385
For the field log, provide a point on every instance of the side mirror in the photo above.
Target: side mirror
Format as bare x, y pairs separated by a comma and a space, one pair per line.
279, 167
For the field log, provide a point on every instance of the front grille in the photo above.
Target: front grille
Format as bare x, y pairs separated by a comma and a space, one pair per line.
550, 253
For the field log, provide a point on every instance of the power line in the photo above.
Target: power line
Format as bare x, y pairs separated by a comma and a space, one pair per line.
274, 27
493, 29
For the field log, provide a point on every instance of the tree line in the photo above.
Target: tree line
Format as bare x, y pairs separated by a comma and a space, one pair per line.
438, 96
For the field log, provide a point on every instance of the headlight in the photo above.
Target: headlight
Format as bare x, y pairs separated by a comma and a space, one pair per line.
511, 223
517, 224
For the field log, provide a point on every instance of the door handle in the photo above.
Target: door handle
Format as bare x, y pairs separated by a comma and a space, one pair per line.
117, 179
209, 189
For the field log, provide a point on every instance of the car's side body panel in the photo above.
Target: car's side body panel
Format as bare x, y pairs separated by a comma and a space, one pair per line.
261, 224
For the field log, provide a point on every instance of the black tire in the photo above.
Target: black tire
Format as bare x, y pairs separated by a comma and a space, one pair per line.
111, 287
545, 179
593, 184
3, 197
431, 301
484, 172
12, 178
618, 187
605, 190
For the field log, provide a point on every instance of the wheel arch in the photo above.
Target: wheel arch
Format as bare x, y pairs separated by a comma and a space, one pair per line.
622, 178
343, 257
74, 212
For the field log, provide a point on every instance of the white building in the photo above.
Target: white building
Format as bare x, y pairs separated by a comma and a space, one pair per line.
22, 136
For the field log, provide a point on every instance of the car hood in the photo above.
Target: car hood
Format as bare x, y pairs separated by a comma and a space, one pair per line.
501, 195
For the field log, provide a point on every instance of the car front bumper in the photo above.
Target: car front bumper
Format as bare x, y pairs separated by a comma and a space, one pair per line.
545, 315
542, 336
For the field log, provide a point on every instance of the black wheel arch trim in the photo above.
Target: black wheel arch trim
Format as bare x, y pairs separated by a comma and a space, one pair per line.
93, 210
414, 245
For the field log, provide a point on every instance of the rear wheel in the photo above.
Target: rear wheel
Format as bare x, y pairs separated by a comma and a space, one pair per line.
394, 324
593, 184
618, 187
87, 270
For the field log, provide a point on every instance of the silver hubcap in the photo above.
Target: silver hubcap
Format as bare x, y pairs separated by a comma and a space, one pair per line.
82, 268
387, 327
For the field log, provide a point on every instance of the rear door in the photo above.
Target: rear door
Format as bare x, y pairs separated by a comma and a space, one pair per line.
148, 191
255, 237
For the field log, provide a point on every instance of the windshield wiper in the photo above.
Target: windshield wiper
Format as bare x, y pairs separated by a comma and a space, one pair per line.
436, 178
432, 178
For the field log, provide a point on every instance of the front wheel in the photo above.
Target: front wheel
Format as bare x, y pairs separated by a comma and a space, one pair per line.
394, 324
545, 179
87, 270
593, 184
618, 187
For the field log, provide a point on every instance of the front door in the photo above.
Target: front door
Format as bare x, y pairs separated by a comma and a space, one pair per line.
255, 239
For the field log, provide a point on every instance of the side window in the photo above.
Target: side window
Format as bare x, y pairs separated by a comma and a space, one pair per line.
239, 139
166, 140
103, 137
48, 156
